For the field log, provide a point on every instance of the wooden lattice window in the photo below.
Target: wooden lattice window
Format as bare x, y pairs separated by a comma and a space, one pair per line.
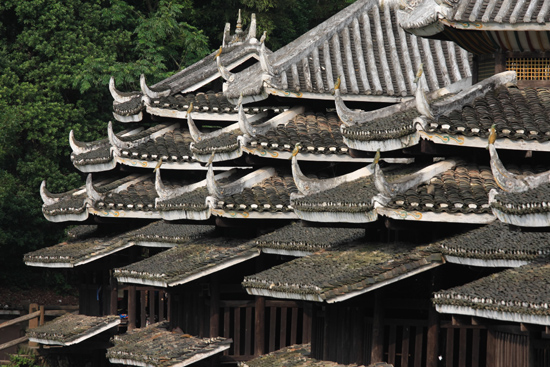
528, 68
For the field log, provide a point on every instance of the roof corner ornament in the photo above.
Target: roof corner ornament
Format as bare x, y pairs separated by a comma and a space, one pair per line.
264, 59
150, 92
507, 180
76, 146
224, 72
244, 124
91, 192
120, 97
421, 101
162, 191
196, 134
214, 188
239, 27
347, 115
385, 191
47, 197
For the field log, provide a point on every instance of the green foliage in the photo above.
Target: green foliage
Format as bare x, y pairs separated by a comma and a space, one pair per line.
24, 358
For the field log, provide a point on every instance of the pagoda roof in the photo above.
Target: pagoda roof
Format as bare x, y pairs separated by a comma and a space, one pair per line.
344, 272
188, 261
298, 240
429, 17
496, 245
363, 44
527, 209
156, 346
71, 329
516, 295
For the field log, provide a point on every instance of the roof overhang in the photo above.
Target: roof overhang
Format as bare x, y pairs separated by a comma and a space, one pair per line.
495, 315
78, 339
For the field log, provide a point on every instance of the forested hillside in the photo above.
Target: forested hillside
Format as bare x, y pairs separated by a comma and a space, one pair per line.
56, 58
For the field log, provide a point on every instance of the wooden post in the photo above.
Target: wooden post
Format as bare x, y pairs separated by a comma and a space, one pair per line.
42, 315
500, 62
113, 306
142, 306
377, 351
214, 306
260, 326
161, 305
433, 326
152, 307
131, 307
33, 307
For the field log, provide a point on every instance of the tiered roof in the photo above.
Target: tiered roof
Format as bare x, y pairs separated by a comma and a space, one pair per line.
71, 329
156, 346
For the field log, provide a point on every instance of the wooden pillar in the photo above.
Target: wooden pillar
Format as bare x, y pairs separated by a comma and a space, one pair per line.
113, 301
34, 322
168, 306
491, 347
433, 325
500, 62
377, 350
162, 298
260, 326
142, 308
214, 306
131, 307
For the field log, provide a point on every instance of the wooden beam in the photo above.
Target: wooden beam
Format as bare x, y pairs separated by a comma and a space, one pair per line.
33, 307
259, 326
41, 322
13, 342
142, 306
131, 307
432, 346
377, 350
20, 319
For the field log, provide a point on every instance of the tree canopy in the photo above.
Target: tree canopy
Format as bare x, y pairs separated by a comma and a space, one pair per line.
56, 58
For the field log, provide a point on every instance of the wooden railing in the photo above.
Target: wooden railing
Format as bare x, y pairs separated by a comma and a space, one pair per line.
255, 332
35, 317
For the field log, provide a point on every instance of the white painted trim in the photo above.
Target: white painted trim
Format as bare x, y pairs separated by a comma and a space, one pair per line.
495, 315
156, 244
492, 263
494, 26
278, 154
131, 280
49, 265
78, 340
129, 362
284, 295
200, 115
215, 269
132, 118
127, 161
219, 156
186, 214
67, 217
102, 167
524, 220
253, 214
327, 217
330, 97
275, 251
384, 145
384, 283
112, 213
477, 142
402, 214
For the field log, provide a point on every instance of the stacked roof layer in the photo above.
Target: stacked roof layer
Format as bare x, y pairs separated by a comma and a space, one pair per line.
71, 329
155, 346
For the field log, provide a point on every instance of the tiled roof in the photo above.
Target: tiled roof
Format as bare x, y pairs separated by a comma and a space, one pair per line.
501, 11
71, 329
202, 102
294, 356
519, 295
169, 234
530, 208
269, 195
364, 45
319, 133
155, 346
462, 189
75, 253
496, 244
344, 272
129, 108
300, 240
395, 126
188, 261
519, 114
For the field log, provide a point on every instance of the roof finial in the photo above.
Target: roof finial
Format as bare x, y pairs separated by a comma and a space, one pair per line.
226, 35
252, 28
91, 191
264, 60
244, 124
239, 28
